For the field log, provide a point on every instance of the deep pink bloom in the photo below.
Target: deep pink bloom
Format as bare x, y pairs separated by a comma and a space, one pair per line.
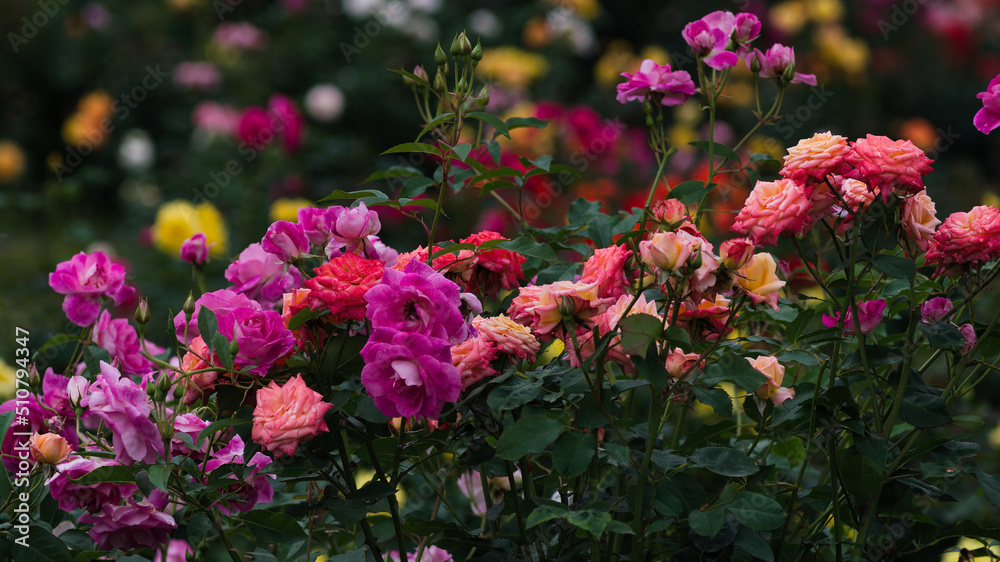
287, 240
988, 118
134, 525
93, 497
220, 302
675, 87
55, 393
288, 414
969, 333
351, 229
195, 250
965, 240
774, 209
433, 553
776, 61
869, 317
125, 407
263, 276
191, 425
261, 336
935, 309
121, 341
287, 120
746, 28
259, 127
409, 374
607, 267
84, 279
887, 165
709, 37
317, 223
418, 300
254, 488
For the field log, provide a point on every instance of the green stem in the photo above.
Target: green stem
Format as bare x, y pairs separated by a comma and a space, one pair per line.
657, 411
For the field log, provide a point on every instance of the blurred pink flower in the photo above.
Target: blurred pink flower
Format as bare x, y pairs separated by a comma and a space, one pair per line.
196, 75
988, 118
969, 333
670, 87
84, 279
869, 317
287, 415
239, 35
259, 127
216, 118
178, 550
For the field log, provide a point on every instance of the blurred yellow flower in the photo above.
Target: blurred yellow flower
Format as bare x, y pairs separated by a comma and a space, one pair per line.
287, 209
364, 476
178, 220
528, 140
848, 53
8, 380
11, 161
955, 555
554, 350
771, 146
587, 9
322, 558
991, 198
825, 11
90, 122
512, 66
789, 17
618, 58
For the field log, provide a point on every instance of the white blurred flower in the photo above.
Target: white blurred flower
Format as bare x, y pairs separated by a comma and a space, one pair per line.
360, 9
485, 23
429, 6
136, 151
325, 103
574, 30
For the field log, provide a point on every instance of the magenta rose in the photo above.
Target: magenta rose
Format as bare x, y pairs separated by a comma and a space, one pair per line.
254, 488
287, 240
195, 250
317, 223
262, 337
935, 309
84, 279
669, 86
220, 302
263, 276
988, 118
121, 341
869, 317
125, 407
93, 497
418, 300
776, 61
409, 374
709, 37
134, 525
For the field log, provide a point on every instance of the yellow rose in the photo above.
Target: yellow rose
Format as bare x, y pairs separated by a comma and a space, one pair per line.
8, 380
759, 278
176, 221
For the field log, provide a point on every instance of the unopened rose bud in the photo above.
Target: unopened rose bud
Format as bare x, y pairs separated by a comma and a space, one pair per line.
647, 107
439, 57
455, 49
188, 306
669, 211
789, 74
736, 253
440, 84
78, 390
477, 51
755, 64
163, 384
142, 312
420, 73
234, 348
50, 448
462, 85
464, 45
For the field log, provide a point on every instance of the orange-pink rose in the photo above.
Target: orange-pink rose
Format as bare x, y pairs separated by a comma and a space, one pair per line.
813, 159
887, 165
287, 415
919, 220
50, 448
775, 373
542, 307
669, 251
774, 209
965, 240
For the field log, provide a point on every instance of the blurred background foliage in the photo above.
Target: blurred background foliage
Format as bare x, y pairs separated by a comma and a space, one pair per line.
110, 109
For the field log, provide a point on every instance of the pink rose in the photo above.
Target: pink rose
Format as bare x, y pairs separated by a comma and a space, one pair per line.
262, 276
935, 309
125, 408
121, 341
746, 28
472, 358
887, 165
670, 211
194, 250
988, 118
93, 497
340, 286
508, 336
286, 240
815, 158
134, 525
965, 240
919, 220
709, 37
84, 279
261, 336
775, 373
670, 251
667, 86
607, 267
777, 62
969, 333
678, 363
774, 209
287, 415
869, 317
542, 307
735, 253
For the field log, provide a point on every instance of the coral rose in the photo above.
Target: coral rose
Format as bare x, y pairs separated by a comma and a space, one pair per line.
287, 415
965, 240
340, 286
815, 158
887, 165
774, 209
775, 373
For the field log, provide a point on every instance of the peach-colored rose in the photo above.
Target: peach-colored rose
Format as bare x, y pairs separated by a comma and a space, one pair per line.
813, 159
542, 307
759, 279
679, 363
669, 211
919, 219
736, 253
50, 448
669, 251
286, 415
887, 165
607, 268
707, 318
472, 359
607, 322
965, 239
775, 373
774, 209
509, 336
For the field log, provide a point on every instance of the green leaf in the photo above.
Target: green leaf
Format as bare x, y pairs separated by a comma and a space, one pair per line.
303, 316
347, 512
543, 162
394, 172
757, 512
43, 546
57, 340
529, 435
734, 368
923, 408
208, 326
895, 266
369, 411
356, 555
528, 247
582, 211
513, 394
116, 474
707, 523
638, 331
338, 194
158, 476
88, 555
219, 425
599, 230
573, 453
688, 192
717, 149
991, 487
590, 520
753, 544
943, 335
273, 527
724, 461
518, 122
416, 146
491, 120
221, 347
544, 513
757, 157
414, 187
718, 399
462, 150
494, 149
